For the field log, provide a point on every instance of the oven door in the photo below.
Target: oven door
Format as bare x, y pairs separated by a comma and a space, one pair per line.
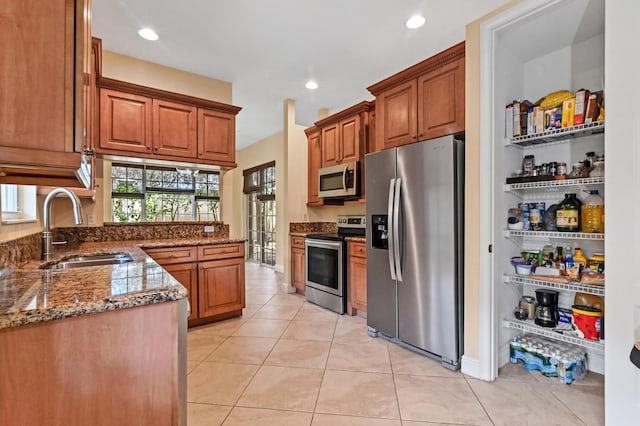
324, 265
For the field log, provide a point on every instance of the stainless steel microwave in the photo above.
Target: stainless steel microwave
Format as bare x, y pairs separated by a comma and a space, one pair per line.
341, 181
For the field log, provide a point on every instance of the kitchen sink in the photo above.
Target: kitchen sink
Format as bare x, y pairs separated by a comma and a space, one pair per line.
90, 260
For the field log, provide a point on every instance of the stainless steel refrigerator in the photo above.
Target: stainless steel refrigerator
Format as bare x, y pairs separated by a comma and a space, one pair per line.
415, 197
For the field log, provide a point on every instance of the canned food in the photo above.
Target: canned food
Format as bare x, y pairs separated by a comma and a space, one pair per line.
596, 263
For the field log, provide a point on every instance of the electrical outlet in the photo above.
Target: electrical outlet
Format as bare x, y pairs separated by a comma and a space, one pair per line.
91, 219
208, 228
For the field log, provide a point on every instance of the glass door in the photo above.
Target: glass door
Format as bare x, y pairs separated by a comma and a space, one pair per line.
261, 229
260, 190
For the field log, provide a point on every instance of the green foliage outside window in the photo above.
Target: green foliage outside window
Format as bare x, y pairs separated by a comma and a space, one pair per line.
154, 194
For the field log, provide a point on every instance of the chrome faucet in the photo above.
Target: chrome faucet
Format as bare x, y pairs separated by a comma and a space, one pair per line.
47, 244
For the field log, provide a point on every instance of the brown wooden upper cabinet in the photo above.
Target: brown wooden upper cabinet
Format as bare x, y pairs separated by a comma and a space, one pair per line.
143, 122
314, 156
343, 135
125, 121
216, 136
42, 101
422, 102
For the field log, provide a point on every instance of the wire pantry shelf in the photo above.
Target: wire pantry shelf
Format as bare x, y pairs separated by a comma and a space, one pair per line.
546, 184
531, 327
598, 290
557, 135
555, 235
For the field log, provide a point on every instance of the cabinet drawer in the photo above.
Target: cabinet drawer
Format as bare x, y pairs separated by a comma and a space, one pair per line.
357, 249
297, 242
170, 255
220, 251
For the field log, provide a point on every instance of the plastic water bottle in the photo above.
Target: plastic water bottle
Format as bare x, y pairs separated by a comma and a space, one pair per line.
593, 212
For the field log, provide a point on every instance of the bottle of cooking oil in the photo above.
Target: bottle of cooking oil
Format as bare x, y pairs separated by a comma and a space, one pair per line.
568, 214
593, 212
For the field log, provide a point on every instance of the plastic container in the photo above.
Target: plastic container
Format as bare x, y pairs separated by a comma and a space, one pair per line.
587, 320
578, 258
592, 212
568, 214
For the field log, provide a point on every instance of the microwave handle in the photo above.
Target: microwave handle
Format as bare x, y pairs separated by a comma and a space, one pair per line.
390, 237
344, 177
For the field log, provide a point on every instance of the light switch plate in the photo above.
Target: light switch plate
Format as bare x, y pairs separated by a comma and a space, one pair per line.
208, 228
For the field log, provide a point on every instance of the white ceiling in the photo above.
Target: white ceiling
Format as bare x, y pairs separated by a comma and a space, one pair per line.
268, 49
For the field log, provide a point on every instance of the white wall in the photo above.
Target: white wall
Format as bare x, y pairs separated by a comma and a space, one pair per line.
622, 175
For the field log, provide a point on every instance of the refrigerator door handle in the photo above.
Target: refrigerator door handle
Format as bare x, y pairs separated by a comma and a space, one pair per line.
392, 269
396, 229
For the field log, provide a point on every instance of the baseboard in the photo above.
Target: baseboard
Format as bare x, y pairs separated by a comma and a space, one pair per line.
288, 288
471, 367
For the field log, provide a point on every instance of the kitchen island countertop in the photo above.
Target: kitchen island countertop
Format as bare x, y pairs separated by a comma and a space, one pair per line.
31, 295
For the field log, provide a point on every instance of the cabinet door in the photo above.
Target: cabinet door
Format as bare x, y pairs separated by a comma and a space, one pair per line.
174, 129
125, 122
216, 136
314, 159
396, 112
220, 287
187, 275
330, 145
441, 101
37, 73
357, 278
350, 139
297, 263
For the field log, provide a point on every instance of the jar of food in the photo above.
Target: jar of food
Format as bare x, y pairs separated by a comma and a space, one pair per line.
568, 214
598, 169
528, 164
577, 171
561, 169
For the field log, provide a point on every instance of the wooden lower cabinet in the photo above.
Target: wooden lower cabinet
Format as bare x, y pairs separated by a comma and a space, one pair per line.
220, 287
121, 367
187, 275
212, 274
297, 264
357, 281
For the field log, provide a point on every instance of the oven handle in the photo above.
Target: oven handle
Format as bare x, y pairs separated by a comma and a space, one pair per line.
390, 234
333, 245
396, 228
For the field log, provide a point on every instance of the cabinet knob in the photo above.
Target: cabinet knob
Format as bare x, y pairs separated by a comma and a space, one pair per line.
415, 136
149, 148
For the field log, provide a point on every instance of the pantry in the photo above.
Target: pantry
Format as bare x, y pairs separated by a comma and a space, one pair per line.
542, 147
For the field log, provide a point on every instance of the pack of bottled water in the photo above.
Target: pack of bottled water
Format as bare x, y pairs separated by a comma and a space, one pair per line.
552, 358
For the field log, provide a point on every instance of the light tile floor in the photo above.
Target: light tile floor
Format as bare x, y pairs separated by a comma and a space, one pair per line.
288, 362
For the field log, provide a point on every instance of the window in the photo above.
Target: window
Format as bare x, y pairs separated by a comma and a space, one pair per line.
18, 203
141, 193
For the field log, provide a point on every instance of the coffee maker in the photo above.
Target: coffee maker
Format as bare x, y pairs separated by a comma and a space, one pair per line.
547, 310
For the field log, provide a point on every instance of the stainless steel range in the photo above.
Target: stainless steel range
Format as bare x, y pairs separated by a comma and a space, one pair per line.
326, 264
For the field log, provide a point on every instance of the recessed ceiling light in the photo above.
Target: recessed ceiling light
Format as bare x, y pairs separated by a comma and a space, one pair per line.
415, 21
311, 85
148, 34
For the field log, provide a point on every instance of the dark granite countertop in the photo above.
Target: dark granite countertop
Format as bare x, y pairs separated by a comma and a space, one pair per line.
31, 295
